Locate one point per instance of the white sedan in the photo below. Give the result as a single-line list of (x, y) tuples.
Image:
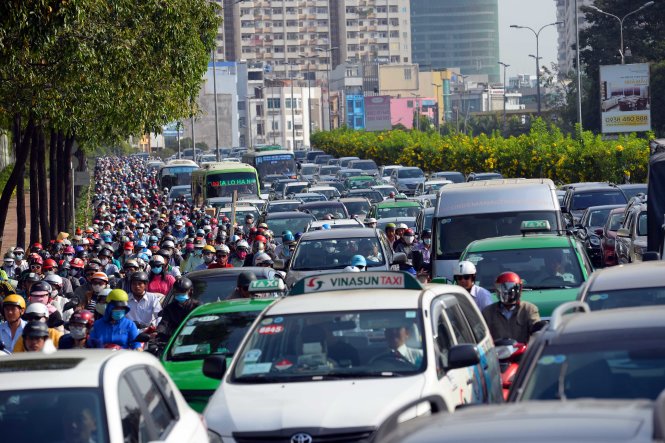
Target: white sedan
[(93, 396)]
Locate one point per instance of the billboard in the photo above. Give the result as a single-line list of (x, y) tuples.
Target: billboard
[(625, 103), (377, 113)]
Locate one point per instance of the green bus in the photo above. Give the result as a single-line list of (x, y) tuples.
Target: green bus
[(271, 160), (221, 179)]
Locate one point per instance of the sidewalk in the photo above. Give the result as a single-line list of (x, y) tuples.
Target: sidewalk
[(11, 228)]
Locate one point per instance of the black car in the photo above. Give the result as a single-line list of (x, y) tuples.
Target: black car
[(590, 231), (321, 209), (580, 196)]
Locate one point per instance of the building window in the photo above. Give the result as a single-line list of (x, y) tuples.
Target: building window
[(289, 125), (407, 73), (274, 103), (409, 103), (275, 126)]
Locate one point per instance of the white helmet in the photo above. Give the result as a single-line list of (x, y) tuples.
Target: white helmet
[(222, 248), (465, 268), (242, 244), (262, 258), (37, 308), (351, 269), (402, 226), (53, 279)]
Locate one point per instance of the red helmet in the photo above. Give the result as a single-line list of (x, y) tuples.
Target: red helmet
[(36, 258), (68, 250), (261, 238), (129, 246), (252, 231), (508, 287), (77, 263), (49, 264), (84, 317), (213, 221), (408, 232), (38, 246)]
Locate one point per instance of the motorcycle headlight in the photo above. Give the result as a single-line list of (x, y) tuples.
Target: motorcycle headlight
[(595, 241)]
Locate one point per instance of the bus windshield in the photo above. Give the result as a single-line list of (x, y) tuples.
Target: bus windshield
[(176, 175), (283, 164), (223, 184)]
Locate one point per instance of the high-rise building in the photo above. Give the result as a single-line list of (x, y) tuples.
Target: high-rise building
[(565, 12), (462, 33)]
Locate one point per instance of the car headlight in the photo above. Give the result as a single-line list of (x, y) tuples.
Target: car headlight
[(595, 241)]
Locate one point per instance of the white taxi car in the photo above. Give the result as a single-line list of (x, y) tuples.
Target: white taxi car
[(93, 396), (344, 351)]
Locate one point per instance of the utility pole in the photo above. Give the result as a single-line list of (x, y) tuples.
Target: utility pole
[(438, 108), (293, 109), (505, 87), (177, 128), (214, 87), (579, 71)]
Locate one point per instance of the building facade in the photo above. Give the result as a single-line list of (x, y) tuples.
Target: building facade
[(462, 33), (566, 13)]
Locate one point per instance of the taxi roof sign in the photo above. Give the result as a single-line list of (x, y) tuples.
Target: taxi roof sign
[(349, 281), (535, 226), (267, 285)]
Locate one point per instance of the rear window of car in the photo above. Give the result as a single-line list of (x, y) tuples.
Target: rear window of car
[(583, 200)]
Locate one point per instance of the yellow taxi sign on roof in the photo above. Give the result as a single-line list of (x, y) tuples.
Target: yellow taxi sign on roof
[(350, 281), (535, 226)]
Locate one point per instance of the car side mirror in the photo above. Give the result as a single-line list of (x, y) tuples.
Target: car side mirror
[(399, 258), (214, 366), (623, 232), (463, 356)]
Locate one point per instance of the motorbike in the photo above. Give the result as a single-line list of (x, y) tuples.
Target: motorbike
[(510, 352)]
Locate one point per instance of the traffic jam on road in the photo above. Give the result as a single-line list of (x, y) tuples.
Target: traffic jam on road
[(279, 296)]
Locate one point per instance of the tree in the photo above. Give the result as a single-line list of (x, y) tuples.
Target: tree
[(97, 72), (599, 44)]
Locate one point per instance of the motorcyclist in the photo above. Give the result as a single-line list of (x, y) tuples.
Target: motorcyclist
[(237, 259), (79, 326), (35, 334), (511, 317), (465, 276), (145, 306), (160, 280), (390, 233), (176, 311), (222, 253), (114, 327), (245, 278), (130, 267), (9, 266), (37, 312), (194, 258), (13, 308), (19, 259), (283, 250), (405, 242), (208, 256)]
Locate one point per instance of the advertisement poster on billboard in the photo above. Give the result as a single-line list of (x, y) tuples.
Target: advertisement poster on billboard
[(377, 113), (625, 101)]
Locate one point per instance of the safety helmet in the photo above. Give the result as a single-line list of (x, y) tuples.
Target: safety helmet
[(402, 226), (14, 300), (77, 263), (68, 250), (53, 279), (391, 226), (30, 276), (36, 309), (209, 248), (325, 227), (35, 329), (83, 317), (242, 244), (263, 259), (35, 259), (183, 284), (157, 260), (118, 297), (131, 263), (168, 244), (508, 287), (40, 289), (128, 246), (465, 267), (351, 269), (261, 238), (100, 276), (222, 248), (358, 260), (139, 276), (49, 264)]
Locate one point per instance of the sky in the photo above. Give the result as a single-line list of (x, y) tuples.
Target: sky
[(515, 45)]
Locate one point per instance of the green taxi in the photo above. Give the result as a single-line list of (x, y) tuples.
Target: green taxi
[(214, 328), (551, 266), (360, 182), (395, 208)]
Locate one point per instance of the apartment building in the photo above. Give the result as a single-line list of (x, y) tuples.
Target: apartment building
[(566, 13)]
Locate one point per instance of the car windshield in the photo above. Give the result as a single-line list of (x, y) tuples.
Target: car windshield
[(333, 346), (385, 191), (210, 334), (428, 220), (365, 165), (179, 192), (543, 268), (293, 224), (433, 187), (321, 211), (398, 211), (410, 173), (583, 200), (625, 298), (598, 217), (328, 170), (633, 191), (240, 214), (615, 222), (328, 193), (64, 415), (295, 188), (608, 370), (642, 224), (208, 290), (357, 207), (455, 233), (308, 170), (313, 255), (282, 207)]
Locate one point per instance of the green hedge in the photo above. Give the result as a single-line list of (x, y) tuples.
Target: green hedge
[(543, 152)]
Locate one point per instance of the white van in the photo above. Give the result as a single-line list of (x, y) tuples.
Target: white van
[(342, 352), (482, 209)]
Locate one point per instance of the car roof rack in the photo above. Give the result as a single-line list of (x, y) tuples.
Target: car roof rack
[(558, 313)]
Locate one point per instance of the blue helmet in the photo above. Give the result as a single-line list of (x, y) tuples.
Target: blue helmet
[(141, 244), (298, 235), (325, 226), (287, 236), (358, 260)]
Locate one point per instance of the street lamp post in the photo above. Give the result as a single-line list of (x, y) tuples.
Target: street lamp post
[(214, 90), (622, 50), (417, 110), (329, 50), (293, 109), (438, 108), (309, 95), (505, 86), (537, 57)]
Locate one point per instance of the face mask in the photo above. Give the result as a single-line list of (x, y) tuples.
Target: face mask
[(242, 254), (77, 332), (181, 298), (97, 288), (105, 261), (408, 239), (157, 270), (118, 315), (41, 299), (67, 258), (19, 256), (207, 258), (100, 308), (74, 272), (427, 241)]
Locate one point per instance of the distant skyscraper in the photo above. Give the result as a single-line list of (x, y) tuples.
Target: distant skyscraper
[(565, 12), (456, 33)]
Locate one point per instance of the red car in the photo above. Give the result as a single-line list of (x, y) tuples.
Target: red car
[(614, 221)]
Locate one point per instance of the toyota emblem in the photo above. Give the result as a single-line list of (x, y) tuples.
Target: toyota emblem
[(301, 437)]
